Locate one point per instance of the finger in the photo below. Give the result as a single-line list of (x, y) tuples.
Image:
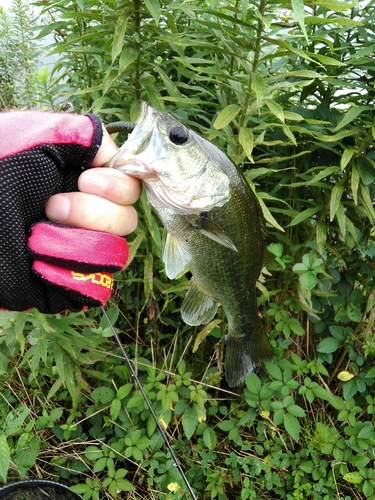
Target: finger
[(111, 184), (91, 212), (106, 151)]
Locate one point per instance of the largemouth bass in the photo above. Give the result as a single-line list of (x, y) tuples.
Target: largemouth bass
[(215, 228)]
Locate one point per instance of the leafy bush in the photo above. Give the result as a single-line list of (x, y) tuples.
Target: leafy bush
[(18, 56), (286, 90)]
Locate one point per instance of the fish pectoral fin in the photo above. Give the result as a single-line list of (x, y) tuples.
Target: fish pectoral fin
[(175, 256), (197, 307), (214, 232)]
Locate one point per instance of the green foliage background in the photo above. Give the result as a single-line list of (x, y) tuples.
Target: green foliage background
[(287, 90)]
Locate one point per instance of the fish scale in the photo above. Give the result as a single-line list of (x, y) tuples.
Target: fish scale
[(215, 228)]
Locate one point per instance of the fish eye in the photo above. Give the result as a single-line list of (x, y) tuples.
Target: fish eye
[(178, 135)]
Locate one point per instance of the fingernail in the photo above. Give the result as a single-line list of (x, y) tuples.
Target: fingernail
[(91, 182), (57, 208)]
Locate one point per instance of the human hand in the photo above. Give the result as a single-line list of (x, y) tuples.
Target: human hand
[(50, 266), (105, 200)]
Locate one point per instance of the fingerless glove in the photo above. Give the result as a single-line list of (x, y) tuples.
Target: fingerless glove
[(44, 265)]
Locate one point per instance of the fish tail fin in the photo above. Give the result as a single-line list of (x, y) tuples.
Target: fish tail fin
[(243, 354)]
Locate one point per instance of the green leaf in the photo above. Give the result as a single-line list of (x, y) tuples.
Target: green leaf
[(308, 280), (153, 6), (341, 21), (119, 33), (134, 246), (296, 410), (246, 139), (350, 389), (289, 134), (337, 5), (366, 171), (226, 425), (124, 485), (367, 432), (103, 395), (300, 267), (259, 87), (353, 478), (322, 393), (136, 400), (305, 214), (209, 438), (368, 489), (115, 408), (124, 390), (268, 216), (327, 61), (322, 174), (205, 332), (128, 56), (93, 453), (152, 224), (226, 115), (15, 419), (341, 219), (275, 109), (253, 383), (273, 370), (328, 345), (276, 249), (299, 15), (278, 416), (335, 200), (81, 488), (100, 464), (4, 458), (27, 451), (352, 113), (321, 235), (368, 202), (143, 442), (346, 157), (295, 325), (359, 461), (354, 312), (355, 183), (189, 421), (292, 426)]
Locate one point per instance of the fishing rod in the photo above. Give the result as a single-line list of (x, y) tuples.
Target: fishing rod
[(176, 462), (128, 127)]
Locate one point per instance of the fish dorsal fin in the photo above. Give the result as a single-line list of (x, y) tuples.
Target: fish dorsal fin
[(214, 232), (197, 307), (175, 256)]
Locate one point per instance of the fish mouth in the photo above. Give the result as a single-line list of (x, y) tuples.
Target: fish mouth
[(137, 142)]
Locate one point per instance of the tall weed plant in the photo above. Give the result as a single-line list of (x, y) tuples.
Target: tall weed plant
[(287, 90), (18, 56)]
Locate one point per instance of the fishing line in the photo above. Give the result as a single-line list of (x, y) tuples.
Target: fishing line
[(176, 463)]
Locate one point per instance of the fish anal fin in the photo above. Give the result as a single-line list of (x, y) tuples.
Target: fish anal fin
[(175, 256), (197, 307)]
